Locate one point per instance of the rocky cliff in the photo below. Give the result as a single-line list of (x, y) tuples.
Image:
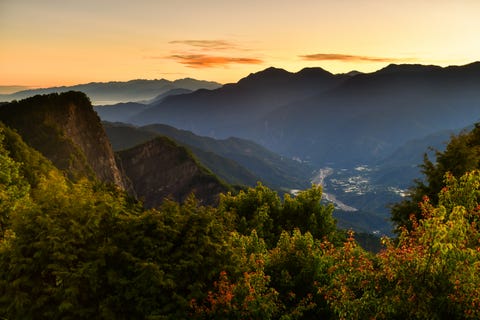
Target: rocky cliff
[(160, 168), (65, 128)]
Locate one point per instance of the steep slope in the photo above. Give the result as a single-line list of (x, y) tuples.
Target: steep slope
[(123, 136), (232, 108), (275, 170), (102, 93), (34, 164), (324, 118), (237, 161), (370, 115), (66, 130), (225, 168), (160, 168)]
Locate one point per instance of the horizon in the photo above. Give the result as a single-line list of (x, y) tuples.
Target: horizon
[(47, 43), (12, 89)]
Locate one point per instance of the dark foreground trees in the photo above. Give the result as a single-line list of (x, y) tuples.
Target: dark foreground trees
[(83, 250)]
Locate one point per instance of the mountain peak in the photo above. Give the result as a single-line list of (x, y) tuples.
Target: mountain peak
[(404, 68), (268, 74), (312, 72), (353, 73)]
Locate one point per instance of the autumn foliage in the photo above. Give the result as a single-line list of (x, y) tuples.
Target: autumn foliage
[(85, 250)]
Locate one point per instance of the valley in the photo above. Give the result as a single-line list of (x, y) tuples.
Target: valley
[(273, 160), (349, 189), (361, 136), (319, 179)]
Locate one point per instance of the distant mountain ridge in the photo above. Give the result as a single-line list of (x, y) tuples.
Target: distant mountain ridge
[(226, 111), (329, 119), (120, 112), (64, 128), (102, 93), (236, 161), (373, 114)]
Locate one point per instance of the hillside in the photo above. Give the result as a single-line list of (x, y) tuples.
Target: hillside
[(237, 161), (69, 133), (122, 112), (160, 168), (254, 256), (232, 107), (66, 130), (329, 119), (370, 115)]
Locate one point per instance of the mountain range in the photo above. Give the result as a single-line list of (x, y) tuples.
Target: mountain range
[(237, 161), (385, 120), (102, 93), (65, 129), (324, 118), (362, 135)]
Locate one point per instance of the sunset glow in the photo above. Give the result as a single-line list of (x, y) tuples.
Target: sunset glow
[(50, 42)]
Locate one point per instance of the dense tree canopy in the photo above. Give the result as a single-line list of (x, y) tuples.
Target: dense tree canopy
[(462, 154), (84, 250)]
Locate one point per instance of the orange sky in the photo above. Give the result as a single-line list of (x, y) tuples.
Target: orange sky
[(64, 42)]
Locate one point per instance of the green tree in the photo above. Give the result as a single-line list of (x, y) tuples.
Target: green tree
[(305, 212), (297, 266), (14, 189), (431, 272), (461, 155), (256, 209), (84, 250), (262, 210)]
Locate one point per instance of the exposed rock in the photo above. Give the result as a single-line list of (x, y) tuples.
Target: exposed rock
[(160, 168), (66, 130)]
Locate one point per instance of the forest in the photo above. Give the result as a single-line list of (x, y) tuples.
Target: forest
[(79, 248)]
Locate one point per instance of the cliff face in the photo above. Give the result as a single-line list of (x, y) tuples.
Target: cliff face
[(83, 126), (66, 130), (160, 168)]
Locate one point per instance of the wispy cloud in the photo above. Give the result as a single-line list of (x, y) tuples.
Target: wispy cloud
[(201, 53), (207, 44), (208, 61), (349, 58)]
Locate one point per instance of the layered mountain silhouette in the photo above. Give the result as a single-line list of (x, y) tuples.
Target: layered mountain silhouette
[(123, 111), (102, 93), (325, 118), (236, 161), (227, 111), (373, 114), (385, 119), (65, 129)]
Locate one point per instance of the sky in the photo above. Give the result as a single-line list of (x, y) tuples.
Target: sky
[(48, 43)]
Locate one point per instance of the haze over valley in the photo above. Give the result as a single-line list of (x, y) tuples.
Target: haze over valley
[(361, 136), (370, 130), (255, 159)]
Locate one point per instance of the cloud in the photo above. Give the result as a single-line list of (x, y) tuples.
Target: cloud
[(207, 61), (348, 58), (207, 44), (206, 53)]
